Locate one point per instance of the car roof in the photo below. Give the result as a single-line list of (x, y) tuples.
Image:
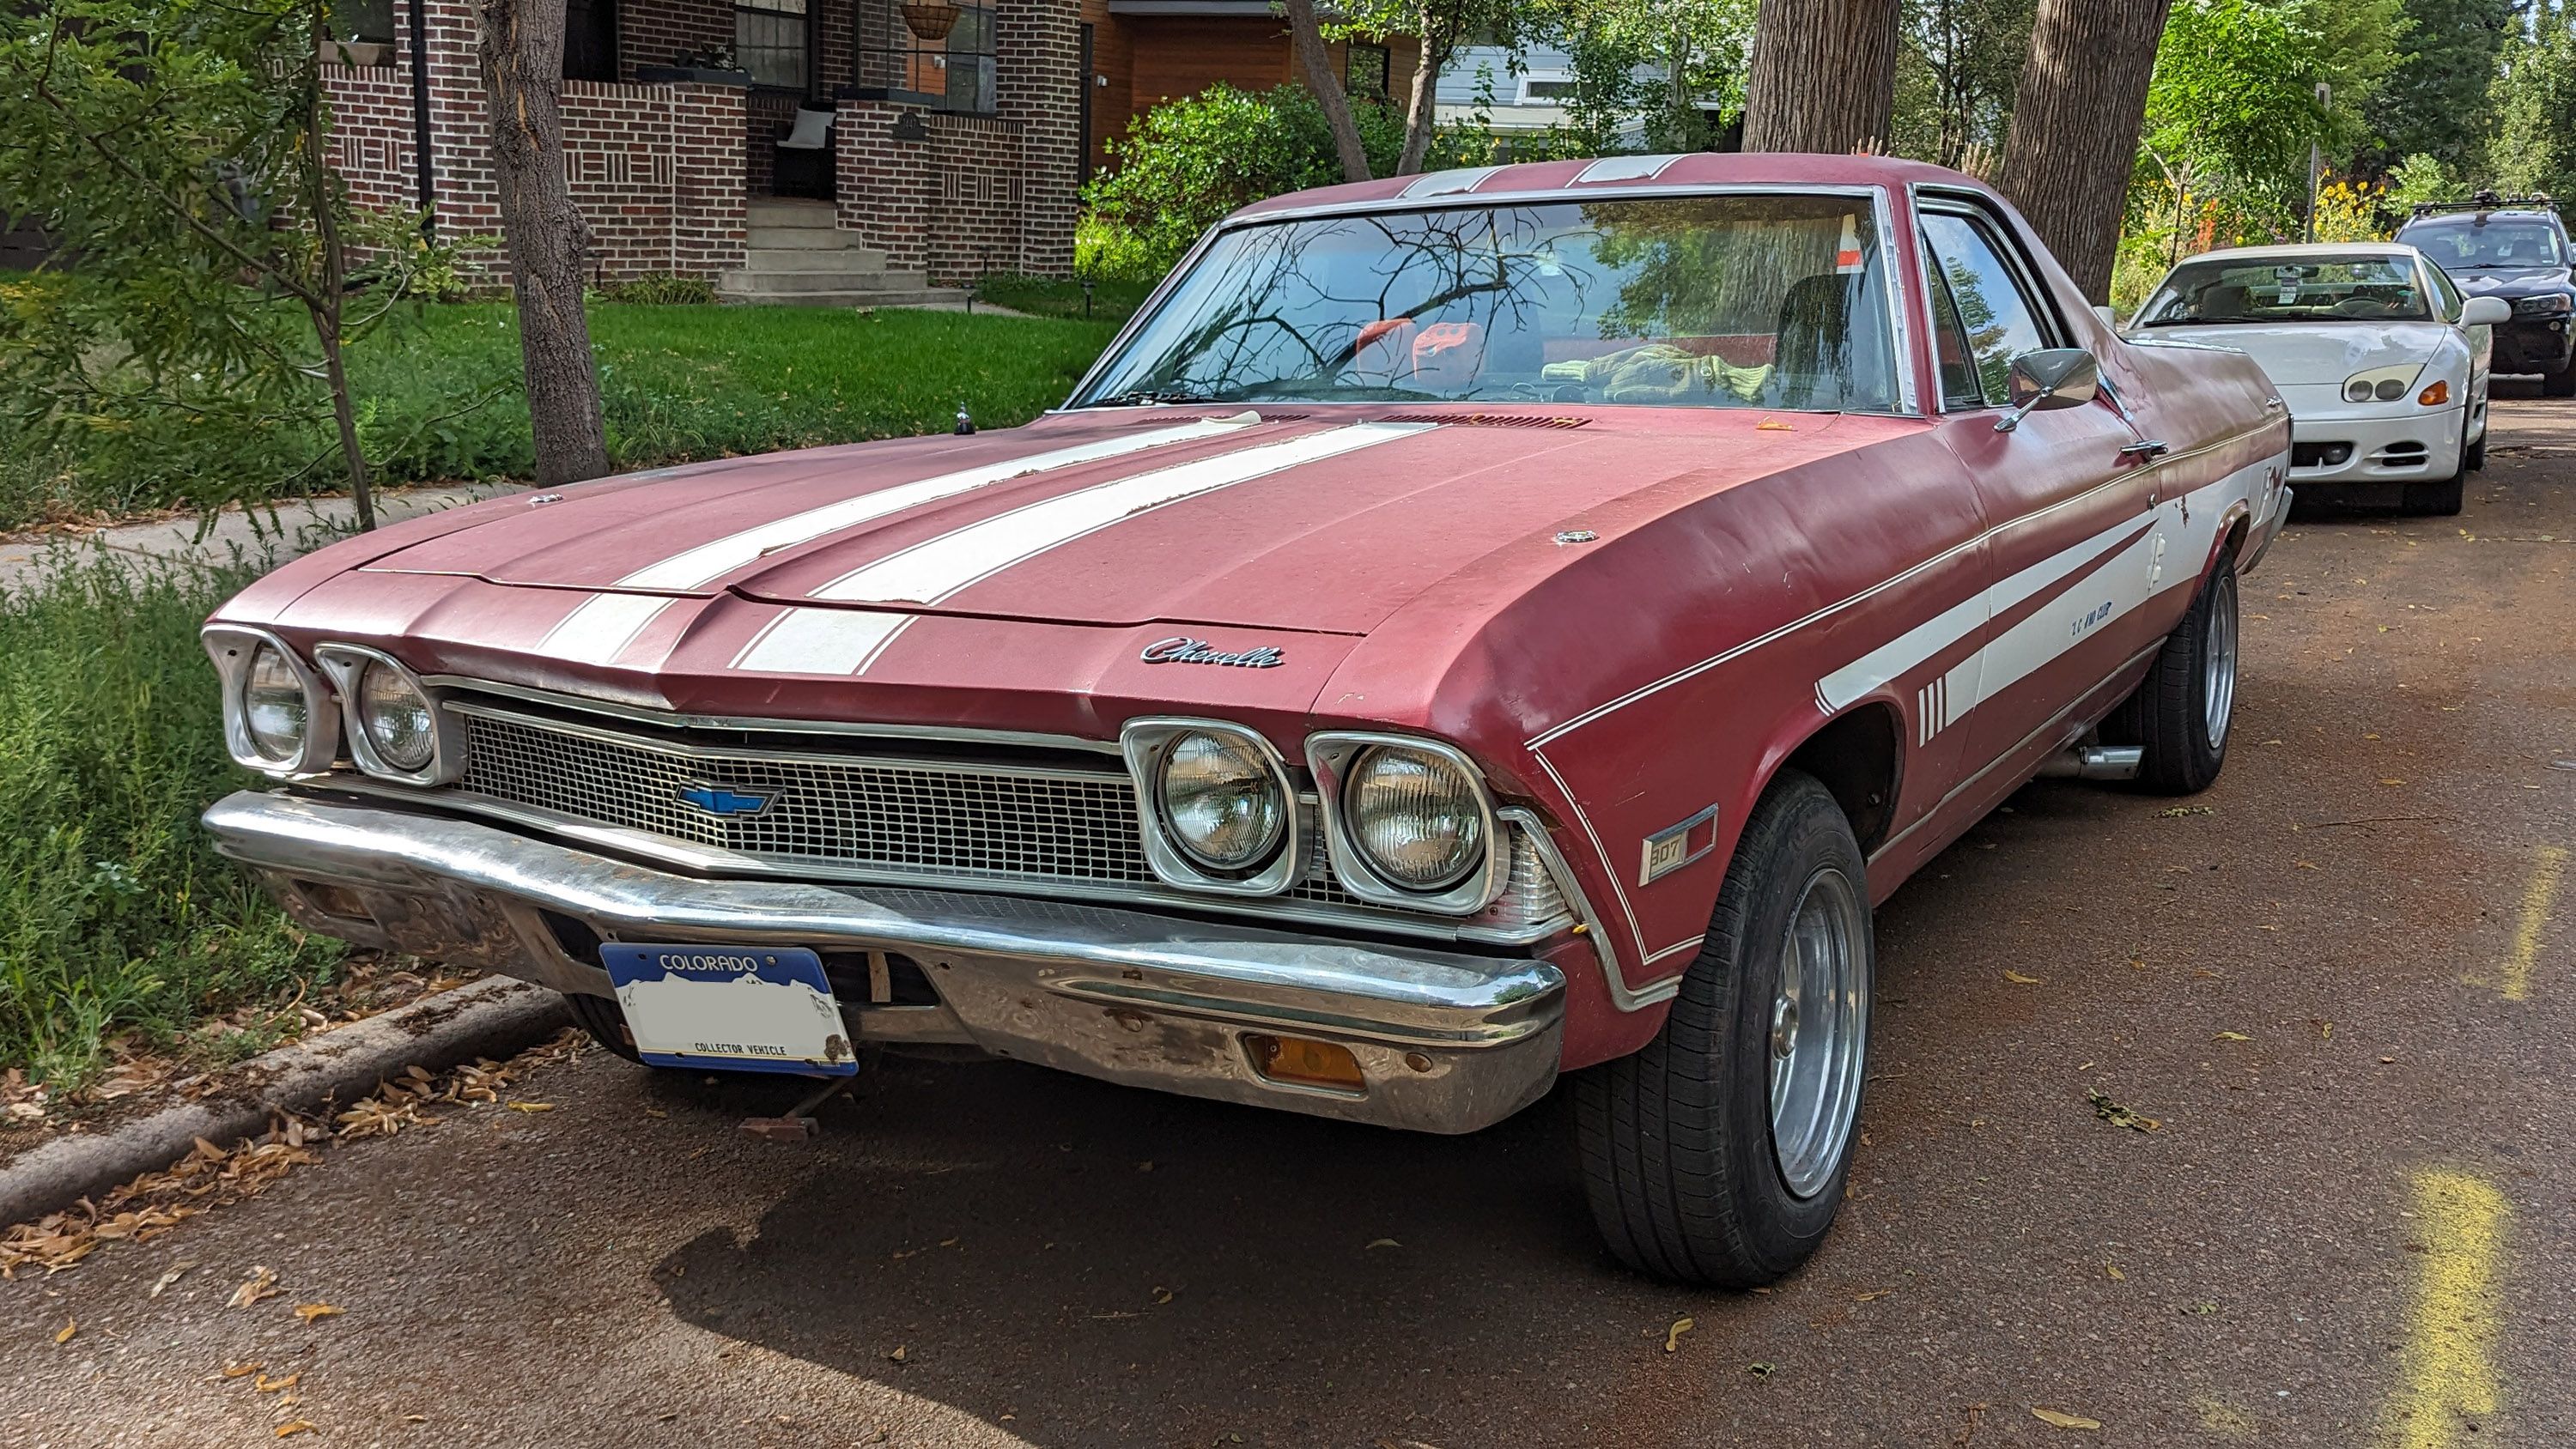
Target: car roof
[(1609, 175), (2392, 250), (2547, 215)]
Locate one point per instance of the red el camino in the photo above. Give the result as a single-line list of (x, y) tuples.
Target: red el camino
[(1468, 629)]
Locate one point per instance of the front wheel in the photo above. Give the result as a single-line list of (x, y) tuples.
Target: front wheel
[(2561, 383), (2181, 711), (1717, 1155)]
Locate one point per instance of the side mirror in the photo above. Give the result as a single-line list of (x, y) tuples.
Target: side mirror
[(2109, 318), (2485, 312), (2052, 378)]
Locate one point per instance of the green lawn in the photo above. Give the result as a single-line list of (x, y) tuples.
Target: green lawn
[(439, 398), (1109, 302), (115, 913)]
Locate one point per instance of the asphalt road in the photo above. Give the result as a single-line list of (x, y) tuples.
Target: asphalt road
[(2330, 980)]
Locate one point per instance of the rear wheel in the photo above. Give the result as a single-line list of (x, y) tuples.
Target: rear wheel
[(1717, 1154), (2181, 711), (2561, 383)]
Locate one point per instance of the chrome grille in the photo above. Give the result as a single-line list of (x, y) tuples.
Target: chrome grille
[(911, 819)]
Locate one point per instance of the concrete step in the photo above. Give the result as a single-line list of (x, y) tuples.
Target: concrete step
[(800, 238), (941, 299), (853, 258), (790, 212), (854, 280)]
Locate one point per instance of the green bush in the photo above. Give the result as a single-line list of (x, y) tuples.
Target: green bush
[(658, 289), (1188, 162), (115, 912)]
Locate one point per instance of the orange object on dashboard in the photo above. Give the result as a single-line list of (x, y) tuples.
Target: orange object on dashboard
[(1446, 354)]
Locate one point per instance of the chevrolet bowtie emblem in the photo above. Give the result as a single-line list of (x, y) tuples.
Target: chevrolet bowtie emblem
[(717, 800)]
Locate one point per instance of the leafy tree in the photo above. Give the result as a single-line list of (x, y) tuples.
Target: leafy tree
[(2535, 110), (2075, 125), (1961, 62), (215, 272), (1669, 61), (1822, 76), (2434, 103), (2232, 109)]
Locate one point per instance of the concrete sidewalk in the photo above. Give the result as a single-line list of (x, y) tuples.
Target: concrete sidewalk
[(278, 532)]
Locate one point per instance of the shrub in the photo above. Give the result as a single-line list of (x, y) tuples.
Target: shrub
[(659, 289), (1188, 162)]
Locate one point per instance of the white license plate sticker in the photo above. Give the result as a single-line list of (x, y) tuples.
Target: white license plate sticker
[(730, 1008)]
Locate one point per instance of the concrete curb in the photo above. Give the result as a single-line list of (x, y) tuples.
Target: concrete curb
[(494, 1017)]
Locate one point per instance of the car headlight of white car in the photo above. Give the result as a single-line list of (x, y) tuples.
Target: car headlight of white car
[(2381, 384)]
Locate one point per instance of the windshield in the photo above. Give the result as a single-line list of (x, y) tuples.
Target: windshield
[(2304, 289), (1729, 300), (2458, 244)]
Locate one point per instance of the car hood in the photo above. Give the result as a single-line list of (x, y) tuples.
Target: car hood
[(1326, 522), (2309, 354), (2510, 281)]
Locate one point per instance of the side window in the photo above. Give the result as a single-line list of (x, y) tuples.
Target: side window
[(2450, 295), (1999, 318), (1949, 339)]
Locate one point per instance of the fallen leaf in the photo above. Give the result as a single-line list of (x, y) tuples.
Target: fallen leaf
[(2114, 1270), (655, 1112), (897, 1356), (70, 1327), (532, 1106), (2117, 1115), (1673, 1335), (267, 1385), (1761, 1370), (261, 1283), (1873, 1295), (238, 1370), (293, 1427), (2231, 1036), (2017, 979), (1384, 1243), (2066, 1421), (177, 1270), (1162, 1295), (310, 1311), (2392, 782)]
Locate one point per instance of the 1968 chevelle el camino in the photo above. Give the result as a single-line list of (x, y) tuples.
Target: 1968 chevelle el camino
[(1468, 629)]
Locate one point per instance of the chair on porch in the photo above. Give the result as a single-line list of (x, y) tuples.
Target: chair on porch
[(804, 161)]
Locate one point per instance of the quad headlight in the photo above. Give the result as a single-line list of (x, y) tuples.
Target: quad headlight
[(1411, 823), (2381, 384), (2544, 304), (1220, 800), (396, 730), (1215, 806), (277, 712)]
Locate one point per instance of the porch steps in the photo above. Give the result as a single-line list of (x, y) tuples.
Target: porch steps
[(799, 256)]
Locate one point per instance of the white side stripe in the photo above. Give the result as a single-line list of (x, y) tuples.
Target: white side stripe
[(935, 570), (599, 629)]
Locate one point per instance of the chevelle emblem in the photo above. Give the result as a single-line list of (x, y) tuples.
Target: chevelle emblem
[(1181, 650), (717, 800)]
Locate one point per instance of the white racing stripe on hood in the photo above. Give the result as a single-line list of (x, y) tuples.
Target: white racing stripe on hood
[(846, 641), (598, 630)]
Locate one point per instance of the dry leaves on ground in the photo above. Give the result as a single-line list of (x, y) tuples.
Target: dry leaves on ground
[(212, 1176), (1673, 1335), (2066, 1421), (260, 1283), (2117, 1115), (310, 1311)]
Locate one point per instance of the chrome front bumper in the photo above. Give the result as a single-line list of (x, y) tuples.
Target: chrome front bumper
[(1448, 1042)]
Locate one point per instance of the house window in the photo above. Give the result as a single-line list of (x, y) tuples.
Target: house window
[(769, 41), (363, 20), (949, 73), (1366, 72), (970, 62), (1548, 90)]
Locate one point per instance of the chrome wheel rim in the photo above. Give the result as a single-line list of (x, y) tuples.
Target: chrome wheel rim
[(1819, 1031), (2218, 666)]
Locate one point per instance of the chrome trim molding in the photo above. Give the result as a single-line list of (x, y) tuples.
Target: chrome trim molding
[(230, 647), (1330, 752), (1622, 995), (1144, 740), (345, 662), (1446, 1042), (1649, 869), (667, 718)]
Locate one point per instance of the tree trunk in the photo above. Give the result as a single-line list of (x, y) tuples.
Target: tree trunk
[(1418, 107), (1823, 76), (1307, 37), (324, 305), (522, 53), (2075, 125)]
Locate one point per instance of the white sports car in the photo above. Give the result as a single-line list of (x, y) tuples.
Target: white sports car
[(2382, 362)]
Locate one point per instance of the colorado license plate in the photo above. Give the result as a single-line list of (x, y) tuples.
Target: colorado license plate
[(730, 1008)]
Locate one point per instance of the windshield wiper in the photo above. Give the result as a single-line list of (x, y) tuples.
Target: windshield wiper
[(1143, 396)]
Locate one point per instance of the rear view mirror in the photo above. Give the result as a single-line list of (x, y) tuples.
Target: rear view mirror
[(2485, 312), (2051, 378)]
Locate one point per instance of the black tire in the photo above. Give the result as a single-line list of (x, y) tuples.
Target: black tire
[(2475, 459), (2561, 383), (2168, 715), (605, 1022), (2439, 499), (1676, 1140)]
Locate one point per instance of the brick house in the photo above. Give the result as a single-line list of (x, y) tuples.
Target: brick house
[(1139, 53), (946, 157)]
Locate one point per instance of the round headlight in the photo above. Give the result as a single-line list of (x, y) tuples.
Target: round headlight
[(2390, 389), (1221, 801), (1415, 816), (397, 718), (2357, 390), (274, 710)]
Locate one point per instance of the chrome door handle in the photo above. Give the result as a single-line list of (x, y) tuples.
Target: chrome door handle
[(2144, 449)]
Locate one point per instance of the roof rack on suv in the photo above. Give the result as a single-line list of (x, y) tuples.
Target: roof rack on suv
[(2489, 201)]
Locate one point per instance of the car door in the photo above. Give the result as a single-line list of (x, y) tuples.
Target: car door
[(2448, 304), (2068, 495)]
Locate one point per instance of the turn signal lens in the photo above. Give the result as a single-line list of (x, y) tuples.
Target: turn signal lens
[(2434, 396), (1303, 1063)]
